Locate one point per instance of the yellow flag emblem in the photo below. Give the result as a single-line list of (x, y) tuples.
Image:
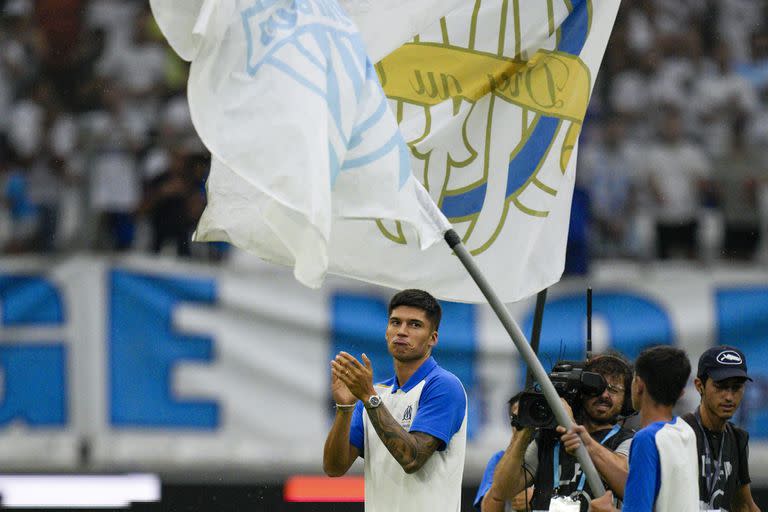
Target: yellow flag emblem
[(492, 109)]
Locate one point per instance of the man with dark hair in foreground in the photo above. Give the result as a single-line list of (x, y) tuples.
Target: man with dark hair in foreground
[(412, 428)]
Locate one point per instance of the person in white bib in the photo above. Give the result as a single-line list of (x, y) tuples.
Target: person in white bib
[(411, 429), (662, 457)]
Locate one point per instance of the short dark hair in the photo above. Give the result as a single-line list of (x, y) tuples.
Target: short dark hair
[(665, 371), (515, 398), (418, 299)]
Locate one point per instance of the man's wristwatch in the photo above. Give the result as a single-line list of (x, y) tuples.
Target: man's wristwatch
[(373, 402)]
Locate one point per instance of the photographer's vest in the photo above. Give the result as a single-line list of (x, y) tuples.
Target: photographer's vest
[(723, 466), (555, 462)]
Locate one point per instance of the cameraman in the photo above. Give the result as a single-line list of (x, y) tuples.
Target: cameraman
[(550, 458), (491, 489)]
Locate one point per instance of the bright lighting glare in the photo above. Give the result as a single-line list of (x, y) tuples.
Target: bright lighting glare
[(86, 491)]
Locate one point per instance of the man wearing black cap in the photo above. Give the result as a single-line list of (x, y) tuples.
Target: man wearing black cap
[(723, 453)]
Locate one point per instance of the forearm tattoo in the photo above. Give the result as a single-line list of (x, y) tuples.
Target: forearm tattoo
[(411, 451)]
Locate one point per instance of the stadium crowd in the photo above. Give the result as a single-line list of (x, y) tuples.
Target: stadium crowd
[(98, 149), (674, 161), (98, 152)]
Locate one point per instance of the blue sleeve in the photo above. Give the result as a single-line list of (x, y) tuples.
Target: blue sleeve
[(644, 480), (485, 484), (356, 430), (442, 407)]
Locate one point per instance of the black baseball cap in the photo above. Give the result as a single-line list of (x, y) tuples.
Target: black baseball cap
[(722, 362)]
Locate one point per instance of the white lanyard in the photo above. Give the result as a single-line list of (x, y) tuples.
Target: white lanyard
[(711, 477)]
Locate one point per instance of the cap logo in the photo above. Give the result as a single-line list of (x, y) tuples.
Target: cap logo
[(729, 357)]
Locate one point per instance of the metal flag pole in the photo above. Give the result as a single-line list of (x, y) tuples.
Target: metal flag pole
[(538, 318), (534, 366)]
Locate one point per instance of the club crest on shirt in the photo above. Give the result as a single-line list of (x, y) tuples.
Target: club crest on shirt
[(407, 416)]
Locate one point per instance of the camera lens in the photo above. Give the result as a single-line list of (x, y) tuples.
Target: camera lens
[(540, 412), (534, 411)]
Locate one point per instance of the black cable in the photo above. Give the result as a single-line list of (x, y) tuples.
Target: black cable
[(527, 472)]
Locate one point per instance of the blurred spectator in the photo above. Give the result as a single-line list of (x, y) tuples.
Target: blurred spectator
[(15, 200), (608, 170), (21, 49), (94, 109), (138, 69), (60, 23), (167, 202), (114, 198), (736, 21), (115, 189), (44, 190), (755, 70), (116, 20), (86, 56), (630, 95), (641, 16), (674, 14), (757, 130), (27, 121), (680, 60), (736, 174), (719, 99), (678, 177)]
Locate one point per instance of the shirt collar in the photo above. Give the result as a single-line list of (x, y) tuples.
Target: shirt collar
[(424, 370)]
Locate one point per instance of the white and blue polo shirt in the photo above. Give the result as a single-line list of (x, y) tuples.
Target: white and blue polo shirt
[(663, 469), (433, 401)]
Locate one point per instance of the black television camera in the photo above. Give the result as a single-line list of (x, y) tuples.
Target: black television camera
[(571, 382)]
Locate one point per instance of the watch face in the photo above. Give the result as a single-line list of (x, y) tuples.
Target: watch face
[(374, 401)]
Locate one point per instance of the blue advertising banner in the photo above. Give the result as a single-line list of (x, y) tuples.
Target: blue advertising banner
[(178, 368)]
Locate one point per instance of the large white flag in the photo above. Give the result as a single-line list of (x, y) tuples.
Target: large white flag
[(489, 97), (302, 139)]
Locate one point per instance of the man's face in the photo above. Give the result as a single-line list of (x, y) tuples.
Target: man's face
[(603, 408), (721, 398), (410, 335)]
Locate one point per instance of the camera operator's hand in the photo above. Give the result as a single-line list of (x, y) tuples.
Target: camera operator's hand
[(574, 437), (602, 504)]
